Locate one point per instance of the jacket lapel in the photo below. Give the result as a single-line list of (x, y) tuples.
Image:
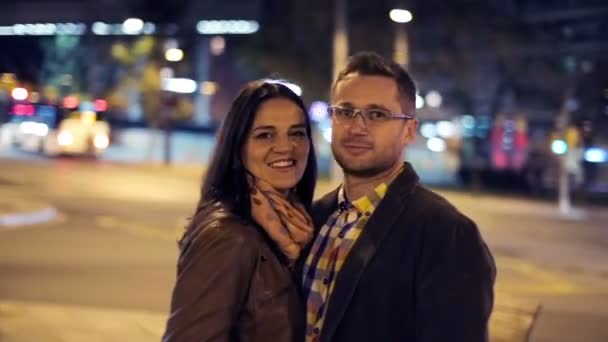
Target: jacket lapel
[(374, 232)]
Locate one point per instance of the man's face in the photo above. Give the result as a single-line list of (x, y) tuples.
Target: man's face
[(363, 148)]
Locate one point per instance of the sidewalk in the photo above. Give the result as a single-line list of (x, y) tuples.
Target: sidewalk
[(25, 322), (29, 321)]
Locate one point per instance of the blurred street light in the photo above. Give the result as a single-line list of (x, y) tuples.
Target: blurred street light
[(436, 144), (101, 28), (401, 16), (132, 26), (217, 45), (6, 31), (174, 55), (428, 130), (596, 155), (434, 99), (65, 138), (318, 111), (559, 147), (20, 94), (227, 26), (401, 44), (35, 128), (419, 101), (166, 72), (446, 129), (101, 141), (40, 29), (179, 85), (209, 88)]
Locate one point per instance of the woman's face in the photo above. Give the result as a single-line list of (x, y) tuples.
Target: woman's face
[(277, 146)]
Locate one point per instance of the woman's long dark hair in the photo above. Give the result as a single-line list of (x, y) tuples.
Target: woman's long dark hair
[(225, 181)]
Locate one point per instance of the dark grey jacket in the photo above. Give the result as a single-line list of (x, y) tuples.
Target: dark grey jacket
[(419, 272)]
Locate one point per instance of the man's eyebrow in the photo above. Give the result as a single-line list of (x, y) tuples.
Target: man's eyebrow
[(376, 106), (369, 106)]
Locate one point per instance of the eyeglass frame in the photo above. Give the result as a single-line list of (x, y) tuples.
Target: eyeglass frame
[(361, 111)]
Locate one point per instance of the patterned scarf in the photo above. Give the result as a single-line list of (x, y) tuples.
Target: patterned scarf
[(284, 218)]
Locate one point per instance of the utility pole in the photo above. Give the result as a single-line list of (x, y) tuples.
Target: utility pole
[(563, 123), (340, 52), (340, 48)]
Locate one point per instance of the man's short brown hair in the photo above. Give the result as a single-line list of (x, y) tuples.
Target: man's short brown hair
[(372, 64)]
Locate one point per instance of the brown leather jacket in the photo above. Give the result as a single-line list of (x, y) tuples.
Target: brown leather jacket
[(232, 286)]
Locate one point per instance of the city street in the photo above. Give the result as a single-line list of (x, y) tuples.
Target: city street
[(103, 266)]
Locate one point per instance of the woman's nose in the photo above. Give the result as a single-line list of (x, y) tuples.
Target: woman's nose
[(283, 145)]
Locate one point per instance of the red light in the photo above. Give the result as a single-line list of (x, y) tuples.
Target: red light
[(100, 105), (23, 109), (70, 102)]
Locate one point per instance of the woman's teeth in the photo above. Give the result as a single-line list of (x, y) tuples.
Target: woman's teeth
[(282, 164)]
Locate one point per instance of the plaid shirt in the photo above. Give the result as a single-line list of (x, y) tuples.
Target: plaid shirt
[(329, 251)]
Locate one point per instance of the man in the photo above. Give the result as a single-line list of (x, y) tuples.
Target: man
[(392, 261)]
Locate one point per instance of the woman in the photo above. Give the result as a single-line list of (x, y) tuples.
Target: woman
[(234, 281)]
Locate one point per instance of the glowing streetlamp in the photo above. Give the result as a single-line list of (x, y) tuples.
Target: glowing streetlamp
[(174, 55), (133, 26), (401, 16), (401, 43)]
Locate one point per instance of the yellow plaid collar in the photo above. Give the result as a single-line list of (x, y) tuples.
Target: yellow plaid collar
[(367, 202)]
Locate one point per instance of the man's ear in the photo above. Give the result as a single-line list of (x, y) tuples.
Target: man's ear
[(409, 132)]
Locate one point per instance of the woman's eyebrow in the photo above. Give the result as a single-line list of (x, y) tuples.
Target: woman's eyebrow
[(264, 127)]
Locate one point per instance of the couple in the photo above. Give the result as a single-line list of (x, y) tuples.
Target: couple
[(381, 258)]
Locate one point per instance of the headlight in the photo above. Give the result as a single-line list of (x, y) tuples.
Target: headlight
[(65, 138), (101, 141), (35, 128)]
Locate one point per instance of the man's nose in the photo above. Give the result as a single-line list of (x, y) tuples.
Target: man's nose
[(358, 125)]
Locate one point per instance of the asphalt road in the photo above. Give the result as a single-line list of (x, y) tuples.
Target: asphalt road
[(113, 247)]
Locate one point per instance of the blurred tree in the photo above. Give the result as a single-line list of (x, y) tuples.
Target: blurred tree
[(149, 86), (142, 83)]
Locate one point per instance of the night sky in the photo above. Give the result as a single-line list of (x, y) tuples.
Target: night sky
[(451, 41)]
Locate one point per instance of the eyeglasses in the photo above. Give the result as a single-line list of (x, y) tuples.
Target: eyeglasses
[(371, 115)]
